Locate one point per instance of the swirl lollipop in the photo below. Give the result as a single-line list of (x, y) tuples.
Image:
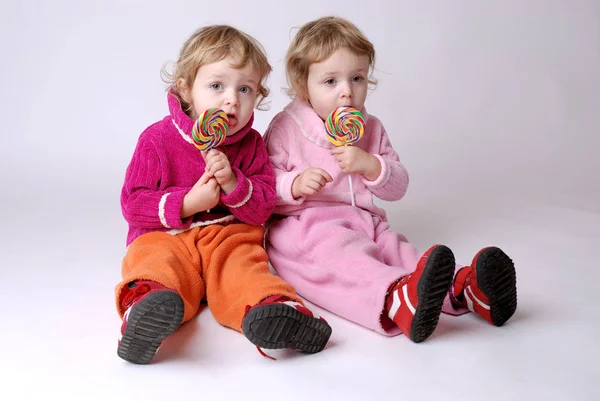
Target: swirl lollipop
[(345, 126), (210, 129)]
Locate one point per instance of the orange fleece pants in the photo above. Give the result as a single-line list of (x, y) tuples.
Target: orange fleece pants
[(224, 264)]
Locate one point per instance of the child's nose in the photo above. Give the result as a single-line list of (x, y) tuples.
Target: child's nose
[(231, 98), (346, 90)]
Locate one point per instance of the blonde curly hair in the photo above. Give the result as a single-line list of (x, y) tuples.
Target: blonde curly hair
[(315, 42), (212, 44)]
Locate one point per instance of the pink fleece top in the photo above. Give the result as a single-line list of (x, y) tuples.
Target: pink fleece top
[(165, 165), (296, 140)]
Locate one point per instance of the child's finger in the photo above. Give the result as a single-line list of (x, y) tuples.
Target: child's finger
[(204, 178), (313, 185), (217, 166), (209, 158), (321, 180), (215, 153), (212, 183), (309, 191), (326, 175)]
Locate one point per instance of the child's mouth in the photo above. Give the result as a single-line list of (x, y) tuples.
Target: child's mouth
[(232, 120)]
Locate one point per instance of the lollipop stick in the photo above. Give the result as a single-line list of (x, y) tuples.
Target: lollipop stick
[(210, 130), (351, 189), (345, 126), (351, 186)]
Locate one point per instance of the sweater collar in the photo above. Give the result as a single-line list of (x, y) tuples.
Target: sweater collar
[(310, 123), (184, 123)]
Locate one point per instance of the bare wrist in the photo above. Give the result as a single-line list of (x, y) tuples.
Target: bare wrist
[(295, 193), (185, 207), (230, 186), (374, 170)]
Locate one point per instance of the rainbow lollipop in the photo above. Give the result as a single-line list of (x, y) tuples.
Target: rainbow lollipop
[(210, 129), (345, 126)]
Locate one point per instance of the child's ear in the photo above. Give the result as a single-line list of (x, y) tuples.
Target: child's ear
[(184, 90)]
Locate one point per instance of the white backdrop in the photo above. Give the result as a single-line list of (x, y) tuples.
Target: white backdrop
[(493, 107), (485, 99)]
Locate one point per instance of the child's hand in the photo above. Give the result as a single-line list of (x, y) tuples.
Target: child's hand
[(310, 182), (352, 159), (218, 166), (204, 195)]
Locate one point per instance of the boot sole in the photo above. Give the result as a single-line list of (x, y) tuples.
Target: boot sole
[(496, 278), (280, 326), (151, 321), (433, 287)]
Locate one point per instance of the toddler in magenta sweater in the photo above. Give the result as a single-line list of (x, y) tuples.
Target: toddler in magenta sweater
[(195, 218)]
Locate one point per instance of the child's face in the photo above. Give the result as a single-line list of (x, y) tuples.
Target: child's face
[(220, 85), (340, 80)]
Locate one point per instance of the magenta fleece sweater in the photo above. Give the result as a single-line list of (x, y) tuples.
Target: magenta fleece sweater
[(165, 165)]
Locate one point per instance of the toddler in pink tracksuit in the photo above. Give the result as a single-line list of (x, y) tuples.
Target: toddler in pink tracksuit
[(346, 258)]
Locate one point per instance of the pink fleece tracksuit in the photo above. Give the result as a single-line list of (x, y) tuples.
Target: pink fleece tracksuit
[(340, 257)]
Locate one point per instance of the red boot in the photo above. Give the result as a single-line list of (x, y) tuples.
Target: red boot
[(153, 313), (415, 301), (278, 322), (487, 287)]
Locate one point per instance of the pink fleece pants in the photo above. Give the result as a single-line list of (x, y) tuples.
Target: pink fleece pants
[(344, 259)]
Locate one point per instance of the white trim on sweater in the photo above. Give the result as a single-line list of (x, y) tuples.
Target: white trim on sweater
[(246, 199), (186, 137), (161, 210), (201, 224)]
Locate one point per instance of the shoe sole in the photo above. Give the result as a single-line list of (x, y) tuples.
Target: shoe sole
[(433, 287), (151, 321), (496, 278), (280, 326)]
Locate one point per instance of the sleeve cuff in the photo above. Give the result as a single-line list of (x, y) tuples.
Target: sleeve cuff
[(384, 176), (169, 210), (242, 192), (284, 189)]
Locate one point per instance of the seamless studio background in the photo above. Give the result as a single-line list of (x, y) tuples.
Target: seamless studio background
[(492, 106)]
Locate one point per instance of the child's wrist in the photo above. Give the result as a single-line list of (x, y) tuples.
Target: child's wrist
[(186, 207), (294, 189), (374, 168), (229, 186)]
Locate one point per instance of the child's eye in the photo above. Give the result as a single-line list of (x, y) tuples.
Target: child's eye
[(245, 89), (217, 86), (357, 79), (330, 81)]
